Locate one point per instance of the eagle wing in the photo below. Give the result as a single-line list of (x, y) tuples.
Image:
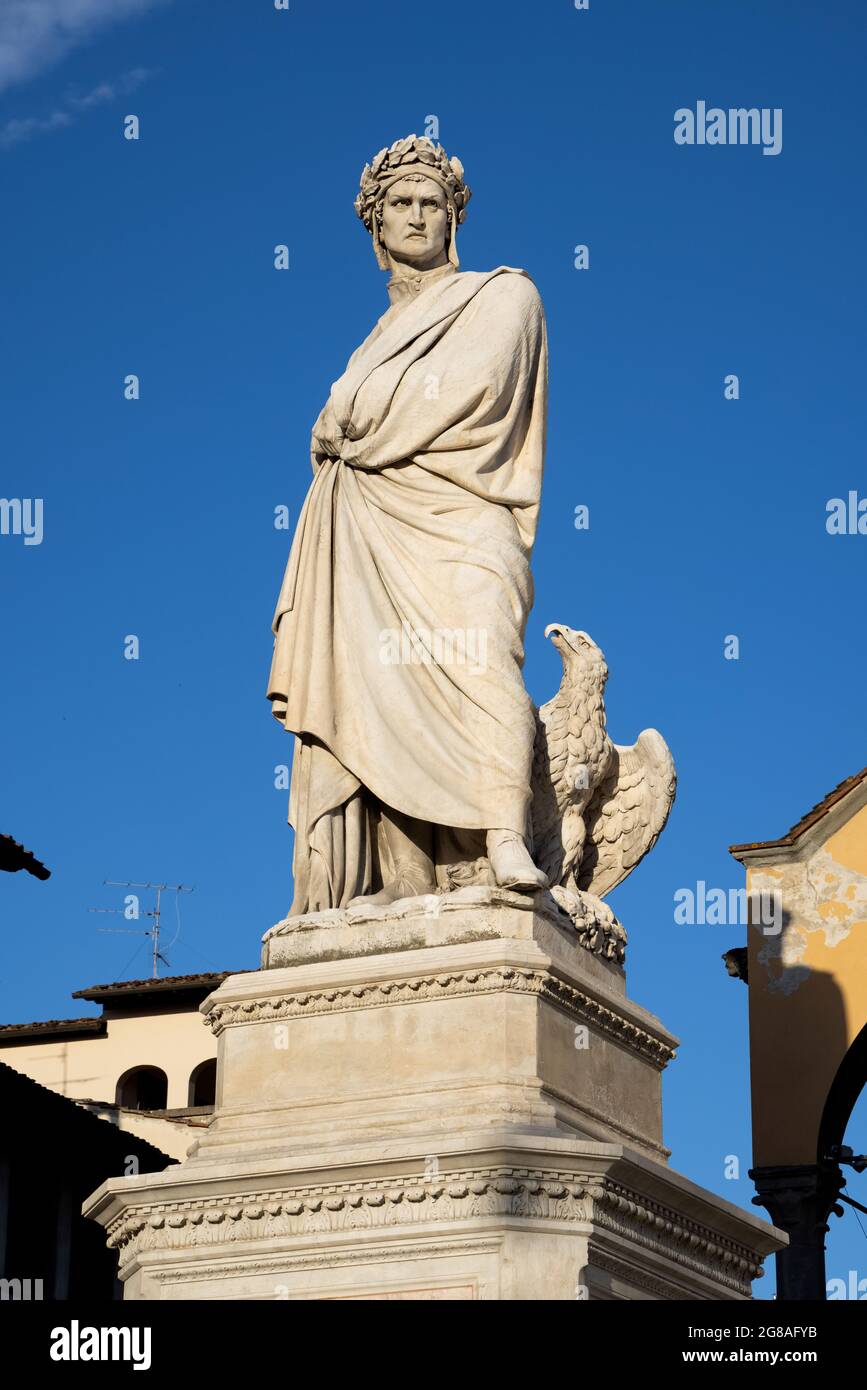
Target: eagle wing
[(627, 812)]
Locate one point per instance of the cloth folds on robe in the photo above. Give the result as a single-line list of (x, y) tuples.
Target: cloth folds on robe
[(400, 624)]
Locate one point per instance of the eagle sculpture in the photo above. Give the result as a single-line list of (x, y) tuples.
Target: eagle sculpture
[(597, 807)]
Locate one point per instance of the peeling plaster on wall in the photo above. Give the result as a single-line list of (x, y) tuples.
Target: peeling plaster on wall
[(840, 896), (819, 895)]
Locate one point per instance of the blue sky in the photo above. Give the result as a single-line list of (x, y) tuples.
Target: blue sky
[(155, 257)]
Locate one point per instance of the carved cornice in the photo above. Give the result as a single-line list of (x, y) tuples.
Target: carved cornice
[(638, 1219), (406, 1201), (423, 988), (591, 1010)]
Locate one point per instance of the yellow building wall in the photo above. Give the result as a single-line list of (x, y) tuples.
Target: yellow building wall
[(88, 1068), (808, 990)]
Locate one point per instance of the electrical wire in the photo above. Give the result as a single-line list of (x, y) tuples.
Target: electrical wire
[(117, 979), (178, 916), (846, 1193)]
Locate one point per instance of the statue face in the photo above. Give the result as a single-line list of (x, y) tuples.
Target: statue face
[(415, 223)]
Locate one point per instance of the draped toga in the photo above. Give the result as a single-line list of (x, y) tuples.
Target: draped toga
[(400, 623)]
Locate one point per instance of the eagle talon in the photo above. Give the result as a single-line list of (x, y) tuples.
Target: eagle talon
[(597, 928)]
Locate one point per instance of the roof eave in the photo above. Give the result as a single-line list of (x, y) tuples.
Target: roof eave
[(812, 830)]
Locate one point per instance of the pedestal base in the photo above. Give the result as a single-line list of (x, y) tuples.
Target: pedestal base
[(459, 1103)]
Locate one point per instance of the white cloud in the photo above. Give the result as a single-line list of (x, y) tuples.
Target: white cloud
[(36, 34), (24, 128), (110, 91), (16, 131)]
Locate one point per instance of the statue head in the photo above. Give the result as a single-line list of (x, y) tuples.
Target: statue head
[(411, 200)]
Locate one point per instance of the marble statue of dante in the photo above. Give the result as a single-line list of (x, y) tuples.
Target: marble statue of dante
[(400, 623)]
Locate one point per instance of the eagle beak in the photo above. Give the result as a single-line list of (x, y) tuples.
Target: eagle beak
[(568, 635), (558, 637), (573, 640)]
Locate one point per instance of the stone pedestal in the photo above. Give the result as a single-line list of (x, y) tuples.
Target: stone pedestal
[(450, 1098)]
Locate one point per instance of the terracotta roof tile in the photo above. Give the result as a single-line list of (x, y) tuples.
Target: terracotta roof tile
[(11, 1032), (819, 810), (161, 984)]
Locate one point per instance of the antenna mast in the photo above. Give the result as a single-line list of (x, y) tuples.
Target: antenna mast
[(154, 932)]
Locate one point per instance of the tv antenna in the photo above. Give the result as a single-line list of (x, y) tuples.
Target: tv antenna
[(154, 931)]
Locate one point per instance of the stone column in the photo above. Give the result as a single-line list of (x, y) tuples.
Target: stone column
[(799, 1198)]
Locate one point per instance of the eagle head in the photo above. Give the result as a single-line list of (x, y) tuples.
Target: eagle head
[(583, 661)]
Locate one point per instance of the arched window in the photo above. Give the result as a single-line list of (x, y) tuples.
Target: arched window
[(203, 1083), (143, 1088)]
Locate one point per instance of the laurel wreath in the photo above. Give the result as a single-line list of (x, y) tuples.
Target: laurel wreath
[(415, 153)]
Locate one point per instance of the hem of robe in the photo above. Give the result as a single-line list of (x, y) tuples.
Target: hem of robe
[(336, 856), (340, 852)]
